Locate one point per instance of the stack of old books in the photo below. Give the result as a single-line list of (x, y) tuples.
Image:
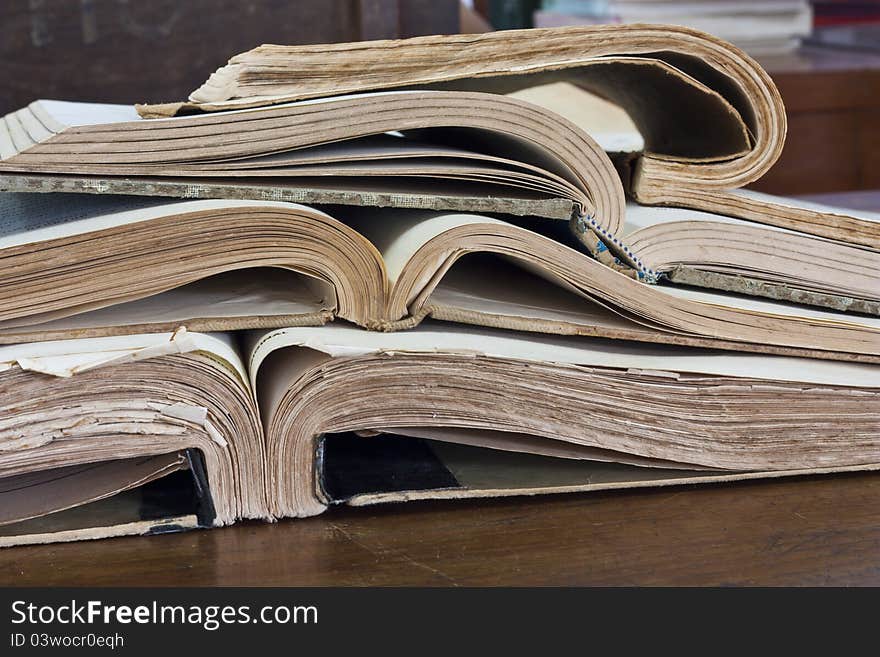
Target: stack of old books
[(373, 272)]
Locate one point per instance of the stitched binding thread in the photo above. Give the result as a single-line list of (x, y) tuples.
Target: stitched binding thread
[(644, 272)]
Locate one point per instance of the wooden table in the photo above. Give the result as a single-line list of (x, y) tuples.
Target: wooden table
[(809, 530)]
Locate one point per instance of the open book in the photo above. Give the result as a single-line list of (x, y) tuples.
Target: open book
[(709, 117), (155, 433), (106, 265)]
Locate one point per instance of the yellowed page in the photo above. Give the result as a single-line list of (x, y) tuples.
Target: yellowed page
[(339, 340), (400, 234), (31, 218), (607, 123), (66, 357)]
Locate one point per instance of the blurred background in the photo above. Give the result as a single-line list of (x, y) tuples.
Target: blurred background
[(823, 55)]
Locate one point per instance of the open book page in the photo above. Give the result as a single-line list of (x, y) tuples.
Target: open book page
[(806, 205), (31, 218), (511, 145), (276, 371), (504, 62), (607, 123), (644, 216), (27, 218), (122, 514), (392, 153), (60, 114), (169, 246), (473, 472), (70, 114), (43, 119), (858, 228), (39, 493), (401, 238), (528, 293), (641, 216), (66, 357), (400, 234), (752, 258), (687, 399), (337, 340), (768, 307), (510, 441), (246, 297), (91, 400), (470, 293)]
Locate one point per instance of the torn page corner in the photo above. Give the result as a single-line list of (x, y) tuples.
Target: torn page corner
[(45, 366)]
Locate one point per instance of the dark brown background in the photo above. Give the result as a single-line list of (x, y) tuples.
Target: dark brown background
[(832, 98), (129, 51)]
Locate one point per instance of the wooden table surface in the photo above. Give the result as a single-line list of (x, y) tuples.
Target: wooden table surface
[(810, 531), (821, 530)]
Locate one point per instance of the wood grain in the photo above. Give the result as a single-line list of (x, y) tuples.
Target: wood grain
[(810, 531)]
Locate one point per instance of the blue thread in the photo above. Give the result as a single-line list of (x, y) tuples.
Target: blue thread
[(644, 272)]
